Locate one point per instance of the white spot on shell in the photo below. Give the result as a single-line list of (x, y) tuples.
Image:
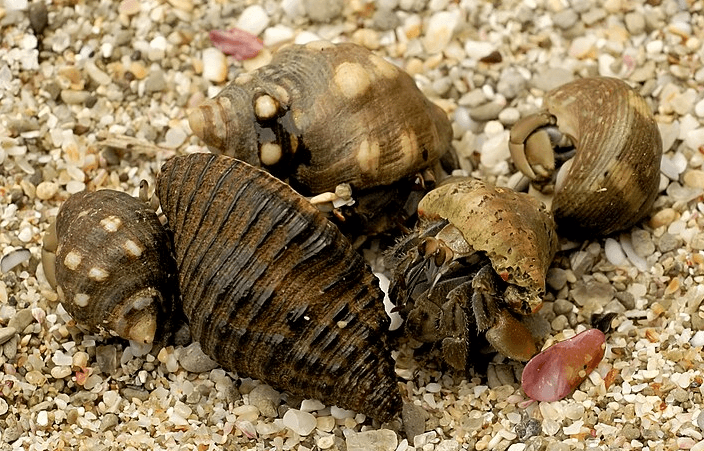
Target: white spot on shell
[(352, 79), (368, 157), (269, 153), (111, 223), (409, 147), (72, 260), (383, 67), (265, 107), (81, 299), (98, 274), (132, 249)]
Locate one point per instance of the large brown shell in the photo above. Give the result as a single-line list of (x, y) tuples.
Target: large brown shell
[(324, 114), (614, 177), (272, 290), (114, 268), (514, 230)]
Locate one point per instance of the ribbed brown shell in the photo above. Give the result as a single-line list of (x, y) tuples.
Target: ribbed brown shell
[(272, 290), (343, 115), (114, 267), (614, 178)]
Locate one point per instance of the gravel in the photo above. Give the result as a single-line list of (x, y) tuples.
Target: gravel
[(94, 95)]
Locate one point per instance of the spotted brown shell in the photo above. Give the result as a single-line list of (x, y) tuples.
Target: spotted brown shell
[(514, 230), (113, 267), (272, 290), (323, 114)]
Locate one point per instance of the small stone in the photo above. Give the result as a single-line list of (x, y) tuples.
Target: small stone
[(566, 18), (635, 23), (323, 10), (266, 399), (326, 424), (379, 440), (325, 442), (155, 81), (38, 16), (549, 79), (478, 49), (694, 178), (214, 65), (311, 405), (302, 423), (414, 418), (556, 278), (106, 357), (448, 445), (509, 116), (175, 136), (128, 393), (43, 418), (194, 360), (486, 112), (614, 252), (4, 407), (73, 97), (21, 320), (108, 421), (642, 243), (254, 19), (129, 7), (562, 307), (6, 333), (47, 190), (700, 420), (663, 217), (439, 31)]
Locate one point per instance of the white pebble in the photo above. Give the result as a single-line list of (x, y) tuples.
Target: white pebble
[(43, 418), (311, 405), (614, 252), (340, 414), (277, 34), (637, 261), (441, 27), (694, 138), (16, 5), (302, 423), (654, 47), (478, 49), (214, 65), (3, 406), (253, 19), (25, 234), (325, 442), (698, 339), (74, 186), (699, 109), (175, 136), (59, 358), (14, 258)]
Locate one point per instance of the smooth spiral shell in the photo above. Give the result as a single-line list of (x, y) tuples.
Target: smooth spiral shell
[(272, 290), (324, 114), (114, 268), (612, 181)]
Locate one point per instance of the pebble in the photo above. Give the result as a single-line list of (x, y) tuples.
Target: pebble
[(6, 333), (155, 81), (254, 19), (565, 19), (448, 445), (21, 320), (214, 65), (478, 49), (47, 190), (379, 440), (549, 79), (302, 423), (556, 278), (642, 243), (440, 29), (323, 10), (266, 399), (311, 405), (194, 360), (414, 417), (614, 252)]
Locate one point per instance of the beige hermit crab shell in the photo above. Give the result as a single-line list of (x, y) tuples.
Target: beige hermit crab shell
[(514, 230), (323, 114), (114, 268), (272, 289)]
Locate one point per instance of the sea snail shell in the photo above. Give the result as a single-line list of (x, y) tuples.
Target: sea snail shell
[(272, 290), (612, 181), (323, 114), (110, 261)]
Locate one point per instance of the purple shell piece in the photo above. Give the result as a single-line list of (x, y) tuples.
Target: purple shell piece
[(560, 369)]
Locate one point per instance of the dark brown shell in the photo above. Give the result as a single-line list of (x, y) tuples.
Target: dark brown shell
[(332, 113), (272, 290), (114, 267)]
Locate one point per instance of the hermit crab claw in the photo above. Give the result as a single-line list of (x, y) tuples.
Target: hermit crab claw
[(530, 145), (511, 338)]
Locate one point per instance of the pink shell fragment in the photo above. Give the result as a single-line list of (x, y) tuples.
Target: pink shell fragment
[(560, 369), (237, 43)]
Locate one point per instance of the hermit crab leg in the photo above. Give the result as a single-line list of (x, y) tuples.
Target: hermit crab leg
[(518, 143)]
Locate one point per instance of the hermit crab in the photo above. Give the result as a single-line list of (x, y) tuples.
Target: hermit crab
[(108, 256), (476, 264), (322, 115), (610, 179)]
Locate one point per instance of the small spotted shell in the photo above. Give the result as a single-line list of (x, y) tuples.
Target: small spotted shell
[(324, 114), (113, 266), (272, 290)]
